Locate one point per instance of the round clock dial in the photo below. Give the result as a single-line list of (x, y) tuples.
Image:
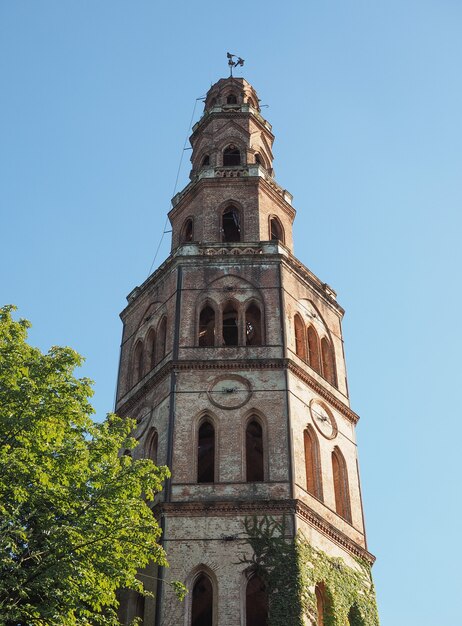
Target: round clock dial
[(323, 419)]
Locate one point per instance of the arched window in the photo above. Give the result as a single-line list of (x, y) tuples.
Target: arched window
[(230, 225), (230, 326), (205, 161), (207, 327), (320, 604), (276, 230), (150, 447), (253, 334), (328, 369), (139, 608), (231, 99), (161, 339), (151, 348), (354, 617), (254, 452), (138, 363), (187, 231), (312, 463), (313, 349), (231, 156), (206, 454), (341, 490), (202, 602), (300, 345), (256, 602)]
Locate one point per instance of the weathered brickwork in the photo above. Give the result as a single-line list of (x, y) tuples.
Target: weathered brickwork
[(210, 338)]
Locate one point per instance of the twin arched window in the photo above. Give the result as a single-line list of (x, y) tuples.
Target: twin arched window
[(320, 355), (202, 602), (254, 452), (150, 352), (231, 325), (314, 475)]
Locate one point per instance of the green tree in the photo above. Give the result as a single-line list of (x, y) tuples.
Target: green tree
[(75, 522)]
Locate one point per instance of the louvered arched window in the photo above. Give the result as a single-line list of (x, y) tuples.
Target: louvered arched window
[(254, 454), (312, 463), (256, 602), (206, 453), (202, 602), (300, 345), (313, 349), (327, 355), (341, 488)]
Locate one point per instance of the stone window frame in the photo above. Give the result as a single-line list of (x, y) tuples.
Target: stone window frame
[(191, 579)]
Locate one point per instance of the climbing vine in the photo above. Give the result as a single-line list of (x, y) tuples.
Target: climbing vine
[(292, 569)]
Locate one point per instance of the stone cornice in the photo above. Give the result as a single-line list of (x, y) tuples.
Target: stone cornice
[(129, 401), (314, 519), (265, 507)]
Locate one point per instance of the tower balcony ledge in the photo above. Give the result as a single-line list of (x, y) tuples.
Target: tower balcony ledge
[(231, 109), (252, 170)]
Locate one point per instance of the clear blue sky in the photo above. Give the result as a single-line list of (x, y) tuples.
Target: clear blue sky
[(365, 99)]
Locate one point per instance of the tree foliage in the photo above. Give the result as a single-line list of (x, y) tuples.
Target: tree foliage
[(75, 522)]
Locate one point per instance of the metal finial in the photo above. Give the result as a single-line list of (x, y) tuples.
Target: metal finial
[(233, 61)]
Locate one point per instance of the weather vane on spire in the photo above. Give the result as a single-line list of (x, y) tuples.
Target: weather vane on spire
[(233, 61)]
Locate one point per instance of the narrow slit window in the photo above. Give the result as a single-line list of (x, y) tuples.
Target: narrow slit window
[(231, 228), (230, 326), (138, 363), (162, 339), (151, 445), (312, 464), (253, 334), (254, 452), (206, 454), (151, 345), (328, 370), (256, 602), (320, 605), (300, 345), (202, 602), (231, 156), (207, 327)]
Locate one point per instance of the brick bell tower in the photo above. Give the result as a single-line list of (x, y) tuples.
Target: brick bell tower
[(232, 363)]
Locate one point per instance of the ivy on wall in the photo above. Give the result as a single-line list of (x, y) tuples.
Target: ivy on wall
[(292, 568)]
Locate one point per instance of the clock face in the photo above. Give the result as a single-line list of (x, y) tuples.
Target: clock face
[(323, 419)]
